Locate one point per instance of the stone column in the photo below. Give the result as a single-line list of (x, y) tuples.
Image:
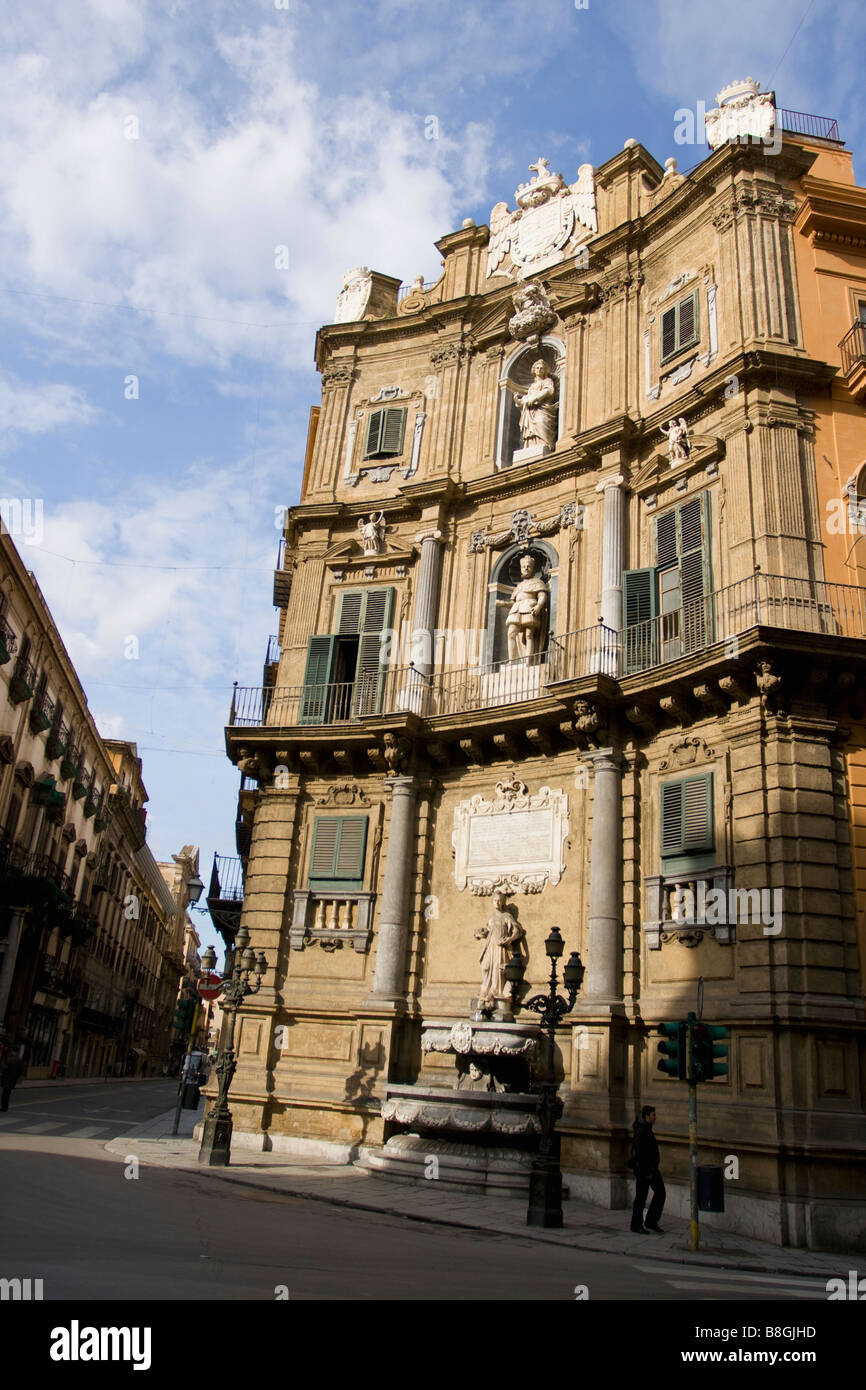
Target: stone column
[(602, 989), (612, 566), (10, 956), (388, 980), (427, 596)]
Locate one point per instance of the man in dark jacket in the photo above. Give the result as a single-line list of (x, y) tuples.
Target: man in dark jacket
[(10, 1070), (647, 1175)]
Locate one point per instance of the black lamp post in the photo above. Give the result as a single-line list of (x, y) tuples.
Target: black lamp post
[(216, 1141), (545, 1183), (194, 890)]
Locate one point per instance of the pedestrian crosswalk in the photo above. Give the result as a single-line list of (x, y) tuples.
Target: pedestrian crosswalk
[(707, 1284), (60, 1126)]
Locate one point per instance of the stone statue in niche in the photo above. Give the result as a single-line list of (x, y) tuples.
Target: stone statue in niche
[(372, 533), (677, 434), (526, 624), (474, 1078), (499, 935), (538, 410)]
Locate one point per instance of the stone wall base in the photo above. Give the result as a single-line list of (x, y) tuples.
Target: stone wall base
[(804, 1223)]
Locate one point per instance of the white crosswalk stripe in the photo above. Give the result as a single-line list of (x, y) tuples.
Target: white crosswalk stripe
[(727, 1289), (88, 1132), (43, 1128)]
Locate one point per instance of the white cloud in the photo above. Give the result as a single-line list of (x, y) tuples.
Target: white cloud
[(182, 223), (27, 409)]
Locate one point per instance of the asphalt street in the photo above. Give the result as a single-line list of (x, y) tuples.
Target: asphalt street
[(94, 1226)]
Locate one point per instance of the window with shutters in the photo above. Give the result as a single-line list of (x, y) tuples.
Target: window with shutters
[(680, 327), (385, 431), (345, 675), (687, 831), (667, 608), (337, 853)]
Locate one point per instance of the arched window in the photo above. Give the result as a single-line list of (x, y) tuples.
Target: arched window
[(505, 577), (517, 378)]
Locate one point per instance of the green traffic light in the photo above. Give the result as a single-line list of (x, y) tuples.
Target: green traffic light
[(673, 1050)]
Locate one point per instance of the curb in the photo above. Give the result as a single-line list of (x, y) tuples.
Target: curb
[(707, 1261)]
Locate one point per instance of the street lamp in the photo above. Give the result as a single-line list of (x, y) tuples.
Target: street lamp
[(194, 890), (216, 1138), (545, 1182)]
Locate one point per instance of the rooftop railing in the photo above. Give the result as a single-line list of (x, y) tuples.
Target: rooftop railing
[(804, 123), (777, 601)]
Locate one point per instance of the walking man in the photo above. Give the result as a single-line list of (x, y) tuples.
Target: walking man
[(647, 1175)]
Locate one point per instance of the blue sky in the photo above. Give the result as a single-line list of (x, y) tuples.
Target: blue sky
[(155, 364)]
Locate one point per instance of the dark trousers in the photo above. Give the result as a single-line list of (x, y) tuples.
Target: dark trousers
[(4, 1097), (656, 1206)]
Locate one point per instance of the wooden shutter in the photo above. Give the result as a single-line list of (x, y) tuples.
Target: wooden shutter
[(351, 847), (324, 851), (687, 327), (370, 673), (314, 696), (667, 549), (351, 607), (374, 433), (337, 853), (669, 333), (392, 432), (687, 817), (695, 582), (639, 608)]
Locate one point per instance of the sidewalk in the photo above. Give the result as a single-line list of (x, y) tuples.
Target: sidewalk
[(586, 1227)]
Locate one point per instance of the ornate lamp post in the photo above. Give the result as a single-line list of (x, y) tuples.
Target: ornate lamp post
[(216, 1139), (545, 1183), (194, 890)]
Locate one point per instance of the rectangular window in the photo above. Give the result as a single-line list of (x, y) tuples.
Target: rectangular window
[(337, 854), (345, 675), (667, 609), (385, 431), (680, 327), (687, 834)]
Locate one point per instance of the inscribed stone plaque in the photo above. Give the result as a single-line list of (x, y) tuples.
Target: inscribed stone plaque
[(513, 842)]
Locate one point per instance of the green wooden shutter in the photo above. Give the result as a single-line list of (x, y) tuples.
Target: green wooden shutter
[(639, 608), (695, 576), (669, 333), (687, 834), (314, 696), (324, 851), (667, 548), (337, 853), (351, 606), (352, 844), (392, 432), (370, 673), (688, 333), (374, 433)]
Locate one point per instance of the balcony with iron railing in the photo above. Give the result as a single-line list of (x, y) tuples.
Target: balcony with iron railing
[(226, 895), (8, 641), (771, 601), (853, 352), (804, 123)]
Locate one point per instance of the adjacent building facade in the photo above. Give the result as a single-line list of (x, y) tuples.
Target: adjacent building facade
[(91, 955), (566, 633)]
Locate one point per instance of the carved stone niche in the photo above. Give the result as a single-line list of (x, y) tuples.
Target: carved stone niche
[(513, 843)]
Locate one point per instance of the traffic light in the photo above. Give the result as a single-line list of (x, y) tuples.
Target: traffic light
[(707, 1053), (673, 1050), (183, 1015)]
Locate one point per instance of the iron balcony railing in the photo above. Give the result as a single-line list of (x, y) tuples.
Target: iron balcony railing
[(227, 879), (853, 347), (803, 123), (797, 605)]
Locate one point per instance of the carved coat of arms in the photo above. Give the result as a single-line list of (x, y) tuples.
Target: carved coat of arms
[(354, 297), (550, 219)]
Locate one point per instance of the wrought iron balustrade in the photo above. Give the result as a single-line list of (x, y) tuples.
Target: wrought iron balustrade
[(804, 123), (853, 347)]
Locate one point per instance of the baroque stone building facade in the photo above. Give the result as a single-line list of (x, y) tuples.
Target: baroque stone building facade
[(562, 620), (90, 955)]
